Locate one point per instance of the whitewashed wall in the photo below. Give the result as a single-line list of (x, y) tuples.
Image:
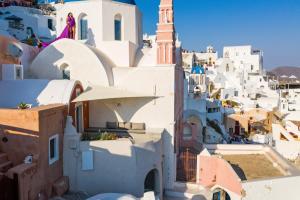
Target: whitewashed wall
[(100, 16), (288, 149), (273, 189), (118, 166)]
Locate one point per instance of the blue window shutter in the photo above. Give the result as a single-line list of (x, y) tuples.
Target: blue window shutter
[(83, 29), (118, 29)]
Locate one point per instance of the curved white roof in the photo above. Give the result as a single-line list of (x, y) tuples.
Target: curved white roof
[(35, 92), (292, 77), (113, 196), (86, 64)]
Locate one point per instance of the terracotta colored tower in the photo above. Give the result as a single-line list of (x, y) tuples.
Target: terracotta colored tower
[(166, 34)]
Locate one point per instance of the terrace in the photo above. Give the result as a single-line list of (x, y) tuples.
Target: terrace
[(253, 166), (242, 170), (253, 162)]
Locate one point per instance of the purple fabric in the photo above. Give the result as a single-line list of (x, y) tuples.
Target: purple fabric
[(67, 32)]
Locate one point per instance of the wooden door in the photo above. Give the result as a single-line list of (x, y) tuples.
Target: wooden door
[(187, 165)]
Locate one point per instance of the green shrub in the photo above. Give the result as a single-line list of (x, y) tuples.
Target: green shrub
[(108, 136), (99, 136), (23, 106)]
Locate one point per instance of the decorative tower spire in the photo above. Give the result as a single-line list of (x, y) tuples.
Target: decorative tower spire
[(166, 34)]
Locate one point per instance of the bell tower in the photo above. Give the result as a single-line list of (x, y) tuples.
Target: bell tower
[(166, 34)]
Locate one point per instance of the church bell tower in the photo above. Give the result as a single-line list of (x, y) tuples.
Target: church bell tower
[(166, 41)]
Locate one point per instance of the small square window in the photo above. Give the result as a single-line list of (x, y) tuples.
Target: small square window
[(18, 73), (53, 149), (50, 24)]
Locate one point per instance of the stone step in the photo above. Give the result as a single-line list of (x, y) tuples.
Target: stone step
[(177, 195), (5, 166), (3, 158), (187, 191)]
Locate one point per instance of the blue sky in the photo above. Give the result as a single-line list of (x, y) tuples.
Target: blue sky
[(270, 25)]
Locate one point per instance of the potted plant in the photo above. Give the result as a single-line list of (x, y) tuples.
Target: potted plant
[(23, 106)]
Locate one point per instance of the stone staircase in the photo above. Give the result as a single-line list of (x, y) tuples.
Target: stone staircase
[(5, 164), (187, 191)]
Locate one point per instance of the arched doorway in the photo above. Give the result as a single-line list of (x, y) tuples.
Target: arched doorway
[(152, 182), (195, 120)]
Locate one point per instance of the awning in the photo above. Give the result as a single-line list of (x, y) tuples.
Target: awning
[(96, 93)]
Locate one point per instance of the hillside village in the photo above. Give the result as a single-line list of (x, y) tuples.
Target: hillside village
[(110, 112)]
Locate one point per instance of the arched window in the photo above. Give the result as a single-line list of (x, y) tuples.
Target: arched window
[(227, 67), (83, 27), (118, 27), (187, 133), (65, 69)]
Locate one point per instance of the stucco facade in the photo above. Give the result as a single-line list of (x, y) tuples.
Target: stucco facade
[(127, 163), (103, 61), (28, 132)]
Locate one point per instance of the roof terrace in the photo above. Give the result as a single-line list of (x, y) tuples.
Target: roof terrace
[(253, 166)]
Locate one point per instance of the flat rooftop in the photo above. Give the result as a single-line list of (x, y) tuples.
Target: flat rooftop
[(252, 166)]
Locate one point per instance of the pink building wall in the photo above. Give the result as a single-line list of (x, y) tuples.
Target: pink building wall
[(27, 132), (216, 171)]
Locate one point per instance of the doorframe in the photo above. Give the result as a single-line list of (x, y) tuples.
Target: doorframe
[(77, 105)]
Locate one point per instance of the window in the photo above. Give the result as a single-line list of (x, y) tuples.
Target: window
[(66, 74), (187, 133), (230, 130), (83, 28), (65, 71), (50, 24), (15, 25), (236, 93), (53, 149), (227, 67), (118, 27), (252, 67), (19, 74)]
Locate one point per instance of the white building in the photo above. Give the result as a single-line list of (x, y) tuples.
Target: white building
[(208, 58), (239, 76), (117, 74), (21, 22), (245, 58)]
